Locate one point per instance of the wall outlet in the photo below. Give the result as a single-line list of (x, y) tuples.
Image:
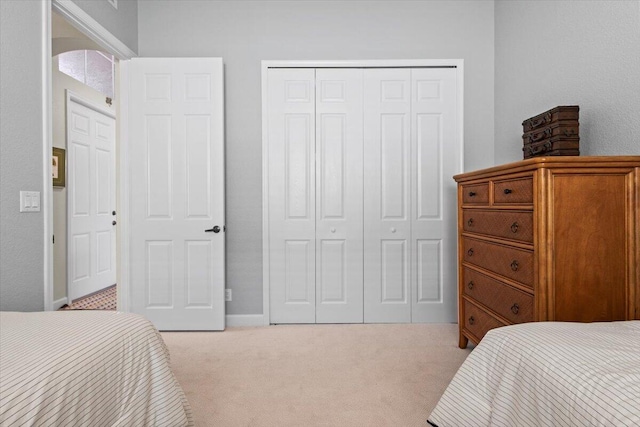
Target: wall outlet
[(227, 294)]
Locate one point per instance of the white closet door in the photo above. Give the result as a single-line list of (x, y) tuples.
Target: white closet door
[(387, 195), (292, 207), (435, 159), (339, 232)]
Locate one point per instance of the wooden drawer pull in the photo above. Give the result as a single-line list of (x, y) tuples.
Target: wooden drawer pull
[(472, 320), (508, 191), (514, 265), (470, 252), (515, 308), (472, 194), (470, 285), (514, 227), (470, 222)]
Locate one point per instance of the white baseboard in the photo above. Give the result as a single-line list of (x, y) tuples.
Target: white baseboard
[(59, 303), (244, 320)]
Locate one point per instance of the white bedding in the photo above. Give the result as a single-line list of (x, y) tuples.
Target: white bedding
[(86, 368), (548, 374)]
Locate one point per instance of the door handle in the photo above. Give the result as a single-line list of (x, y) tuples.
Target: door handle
[(113, 223), (215, 229)]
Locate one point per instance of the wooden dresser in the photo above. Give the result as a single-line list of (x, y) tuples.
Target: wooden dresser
[(548, 238)]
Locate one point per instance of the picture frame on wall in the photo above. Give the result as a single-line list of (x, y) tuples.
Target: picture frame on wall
[(58, 169)]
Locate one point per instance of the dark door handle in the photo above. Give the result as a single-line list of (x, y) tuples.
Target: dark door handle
[(215, 229), (113, 223)]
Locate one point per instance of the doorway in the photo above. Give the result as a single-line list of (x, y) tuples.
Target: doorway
[(72, 30)]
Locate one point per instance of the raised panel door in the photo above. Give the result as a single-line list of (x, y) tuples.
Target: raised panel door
[(387, 195), (435, 156), (177, 192), (292, 195), (339, 181)]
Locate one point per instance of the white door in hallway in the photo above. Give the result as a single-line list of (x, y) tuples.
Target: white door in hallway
[(91, 199), (176, 146)]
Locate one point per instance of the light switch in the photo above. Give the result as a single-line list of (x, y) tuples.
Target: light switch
[(29, 201)]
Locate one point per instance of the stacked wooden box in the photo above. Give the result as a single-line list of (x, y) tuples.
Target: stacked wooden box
[(552, 133)]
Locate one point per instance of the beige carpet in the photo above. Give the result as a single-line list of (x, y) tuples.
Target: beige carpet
[(315, 375)]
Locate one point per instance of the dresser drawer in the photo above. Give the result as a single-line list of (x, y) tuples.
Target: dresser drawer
[(505, 224), (513, 191), (475, 194), (477, 321), (515, 305), (514, 263)]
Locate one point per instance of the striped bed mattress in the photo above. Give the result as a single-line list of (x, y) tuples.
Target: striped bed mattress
[(548, 374), (86, 368)]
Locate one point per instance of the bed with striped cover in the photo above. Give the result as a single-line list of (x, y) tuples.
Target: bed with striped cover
[(86, 368), (548, 374)]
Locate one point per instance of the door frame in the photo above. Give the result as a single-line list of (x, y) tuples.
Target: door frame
[(74, 97), (83, 22), (458, 64)]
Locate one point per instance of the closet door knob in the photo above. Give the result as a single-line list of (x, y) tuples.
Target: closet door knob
[(393, 229), (333, 230)]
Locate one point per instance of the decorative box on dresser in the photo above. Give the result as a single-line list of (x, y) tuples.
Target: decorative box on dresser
[(548, 239)]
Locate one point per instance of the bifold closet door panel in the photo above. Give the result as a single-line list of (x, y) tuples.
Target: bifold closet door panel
[(339, 180), (435, 158), (292, 198), (387, 195)]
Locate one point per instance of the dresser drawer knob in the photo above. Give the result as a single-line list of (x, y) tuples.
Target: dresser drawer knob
[(514, 227), (470, 285), (515, 308), (514, 265), (472, 194), (507, 191), (472, 320), (470, 252), (470, 222)]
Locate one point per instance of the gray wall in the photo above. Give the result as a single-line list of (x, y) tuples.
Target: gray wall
[(246, 32), (584, 53), (121, 22), (21, 234)]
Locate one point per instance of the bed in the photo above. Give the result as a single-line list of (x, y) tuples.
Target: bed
[(548, 374), (86, 368)]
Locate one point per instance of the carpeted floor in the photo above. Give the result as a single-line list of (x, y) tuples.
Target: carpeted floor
[(105, 299), (316, 375)]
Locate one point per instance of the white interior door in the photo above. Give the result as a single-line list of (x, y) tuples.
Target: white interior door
[(292, 195), (91, 199), (339, 180), (361, 208), (435, 158), (387, 195), (177, 192)]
